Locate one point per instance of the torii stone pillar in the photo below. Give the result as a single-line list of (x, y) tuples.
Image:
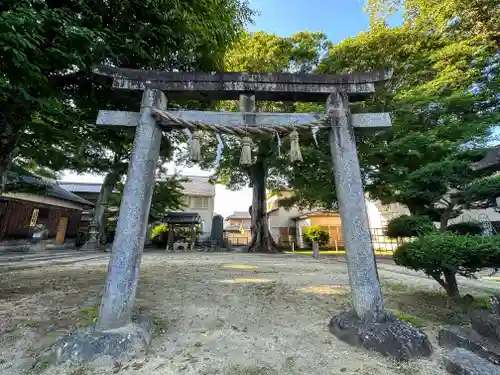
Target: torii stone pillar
[(368, 325), (123, 270), (118, 333), (363, 277)]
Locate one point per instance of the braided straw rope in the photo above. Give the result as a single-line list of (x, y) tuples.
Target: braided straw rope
[(168, 119)]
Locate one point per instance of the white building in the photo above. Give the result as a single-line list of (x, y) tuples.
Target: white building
[(199, 196)]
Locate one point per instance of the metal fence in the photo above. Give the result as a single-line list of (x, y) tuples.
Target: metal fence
[(236, 240), (379, 240), (383, 243)]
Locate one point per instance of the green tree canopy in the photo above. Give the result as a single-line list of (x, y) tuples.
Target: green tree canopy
[(262, 52), (167, 196), (443, 102), (47, 89)]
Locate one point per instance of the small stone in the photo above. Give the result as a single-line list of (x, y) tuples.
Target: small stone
[(486, 324), (461, 337), (460, 361), (388, 335), (495, 304), (51, 328), (117, 367)]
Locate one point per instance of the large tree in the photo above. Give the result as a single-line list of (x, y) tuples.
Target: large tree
[(263, 52), (167, 196), (48, 48), (442, 98)]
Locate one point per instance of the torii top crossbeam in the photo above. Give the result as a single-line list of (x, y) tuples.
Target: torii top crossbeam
[(265, 86)]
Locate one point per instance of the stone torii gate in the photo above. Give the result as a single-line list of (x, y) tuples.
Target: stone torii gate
[(337, 92)]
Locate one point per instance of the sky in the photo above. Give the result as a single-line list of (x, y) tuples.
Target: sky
[(339, 19)]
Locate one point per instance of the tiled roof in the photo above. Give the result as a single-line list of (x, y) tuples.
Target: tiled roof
[(197, 185), (307, 213), (51, 189), (239, 215), (81, 187), (182, 218)]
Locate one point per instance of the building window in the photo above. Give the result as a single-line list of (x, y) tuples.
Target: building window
[(199, 202)]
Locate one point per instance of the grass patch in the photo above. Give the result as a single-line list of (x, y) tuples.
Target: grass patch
[(429, 306), (89, 315), (52, 334), (481, 303), (415, 320)]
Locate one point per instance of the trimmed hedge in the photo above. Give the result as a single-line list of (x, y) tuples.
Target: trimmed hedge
[(409, 226), (444, 255), (315, 233)]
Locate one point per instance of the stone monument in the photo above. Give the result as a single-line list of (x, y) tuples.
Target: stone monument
[(93, 242), (217, 241)]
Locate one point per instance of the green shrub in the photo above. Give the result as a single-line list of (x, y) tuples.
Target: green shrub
[(159, 235), (315, 233), (415, 320), (444, 255), (409, 226), (468, 227), (158, 230)]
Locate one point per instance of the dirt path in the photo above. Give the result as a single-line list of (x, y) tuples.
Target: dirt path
[(229, 314)]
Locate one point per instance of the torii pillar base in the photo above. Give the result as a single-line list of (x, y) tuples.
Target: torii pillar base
[(387, 335), (92, 343)]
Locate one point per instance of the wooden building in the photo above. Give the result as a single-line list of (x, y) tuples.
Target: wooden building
[(33, 201)]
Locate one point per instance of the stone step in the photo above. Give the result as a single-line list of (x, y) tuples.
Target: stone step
[(467, 338), (486, 324), (460, 361)]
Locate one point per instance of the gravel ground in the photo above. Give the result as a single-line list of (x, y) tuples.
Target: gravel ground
[(222, 313)]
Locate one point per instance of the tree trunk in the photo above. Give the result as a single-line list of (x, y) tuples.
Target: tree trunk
[(102, 202), (261, 241), (9, 137), (451, 284), (445, 217)]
